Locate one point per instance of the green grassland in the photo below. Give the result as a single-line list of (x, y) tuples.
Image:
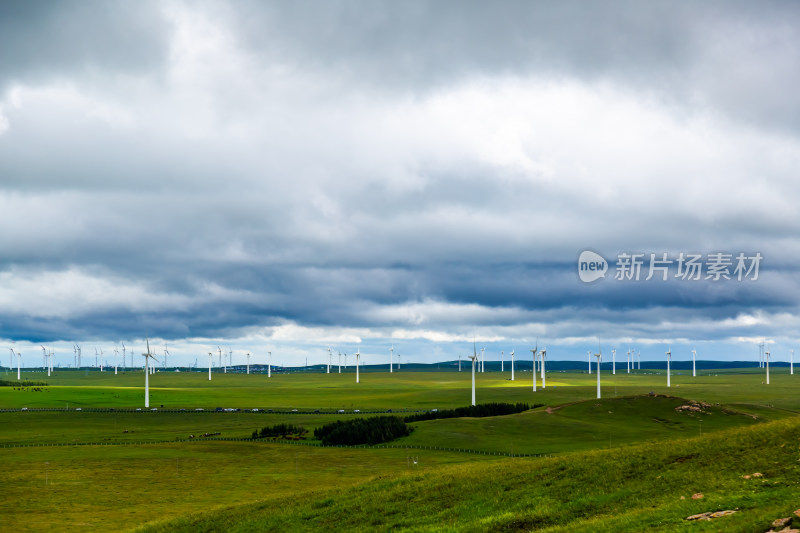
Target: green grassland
[(99, 475), (647, 487)]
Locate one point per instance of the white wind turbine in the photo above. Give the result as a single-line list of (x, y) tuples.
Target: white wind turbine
[(474, 357), (502, 369), (166, 353), (599, 356), (512, 365), (248, 363), (694, 363), (230, 357), (766, 363), (391, 359), (44, 360), (613, 361), (19, 366), (219, 350), (269, 364), (542, 356), (329, 360), (358, 355), (78, 346), (459, 362), (124, 365), (791, 362), (534, 351), (210, 361), (75, 355), (669, 358), (116, 356), (639, 353), (147, 357), (340, 362), (50, 357), (589, 352)]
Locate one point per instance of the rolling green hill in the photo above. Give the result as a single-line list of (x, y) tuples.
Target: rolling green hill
[(645, 487)]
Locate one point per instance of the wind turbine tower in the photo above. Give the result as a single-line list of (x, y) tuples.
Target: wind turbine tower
[(248, 363), (501, 361), (791, 362), (628, 360), (44, 360), (124, 365), (329, 360), (589, 352), (210, 358), (766, 363), (166, 353), (391, 359), (614, 362), (116, 356), (147, 357), (534, 351), (75, 355), (19, 366), (512, 365), (669, 358), (358, 356), (542, 356), (269, 364), (474, 357), (694, 363), (340, 362), (459, 362), (599, 356)]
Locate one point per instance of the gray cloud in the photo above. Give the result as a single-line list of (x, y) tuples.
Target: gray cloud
[(407, 169)]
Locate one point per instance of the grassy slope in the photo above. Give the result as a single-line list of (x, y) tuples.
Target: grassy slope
[(582, 426), (634, 488), (113, 488)]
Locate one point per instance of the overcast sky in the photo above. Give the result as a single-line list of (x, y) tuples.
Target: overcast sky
[(286, 176)]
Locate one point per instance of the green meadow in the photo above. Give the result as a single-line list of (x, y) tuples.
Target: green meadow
[(102, 469)]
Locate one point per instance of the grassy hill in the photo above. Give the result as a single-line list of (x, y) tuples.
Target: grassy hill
[(645, 487)]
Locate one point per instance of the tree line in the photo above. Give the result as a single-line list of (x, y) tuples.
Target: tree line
[(373, 430), (24, 383), (280, 430), (475, 411)]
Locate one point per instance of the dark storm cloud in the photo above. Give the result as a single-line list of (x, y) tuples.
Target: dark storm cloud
[(737, 56)]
